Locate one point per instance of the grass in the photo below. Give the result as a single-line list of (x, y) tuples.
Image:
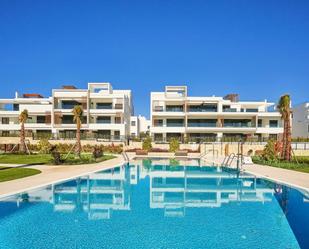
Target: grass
[(26, 159), (301, 166), (8, 173), (86, 158)]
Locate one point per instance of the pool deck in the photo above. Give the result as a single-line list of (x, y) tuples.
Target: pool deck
[(284, 176), (52, 174)]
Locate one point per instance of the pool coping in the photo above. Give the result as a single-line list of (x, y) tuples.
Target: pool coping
[(28, 189), (122, 162), (267, 177)]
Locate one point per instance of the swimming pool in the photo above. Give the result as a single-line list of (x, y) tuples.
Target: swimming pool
[(157, 204)]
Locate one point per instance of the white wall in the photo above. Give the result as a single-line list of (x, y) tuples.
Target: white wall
[(300, 126)]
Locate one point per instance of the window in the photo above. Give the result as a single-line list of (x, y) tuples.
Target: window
[(117, 120), (273, 123), (158, 122), (227, 108), (174, 122), (203, 108), (202, 122), (118, 106), (252, 110), (40, 119), (104, 105), (133, 123), (69, 104), (5, 120), (174, 108), (16, 107), (103, 120), (158, 137), (260, 123), (5, 133)]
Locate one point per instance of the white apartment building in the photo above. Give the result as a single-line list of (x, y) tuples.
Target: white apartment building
[(175, 114), (300, 128), (106, 112), (139, 124)]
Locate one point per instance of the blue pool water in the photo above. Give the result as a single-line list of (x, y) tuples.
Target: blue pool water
[(157, 204)]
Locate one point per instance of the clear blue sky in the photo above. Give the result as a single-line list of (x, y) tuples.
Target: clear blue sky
[(259, 49)]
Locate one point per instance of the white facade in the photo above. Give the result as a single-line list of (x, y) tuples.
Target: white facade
[(300, 128), (106, 112), (139, 124), (175, 114)]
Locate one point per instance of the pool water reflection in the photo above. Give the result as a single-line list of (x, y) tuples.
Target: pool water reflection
[(157, 204)]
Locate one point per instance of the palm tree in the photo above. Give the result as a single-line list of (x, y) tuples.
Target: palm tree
[(284, 107), (23, 116), (77, 118)]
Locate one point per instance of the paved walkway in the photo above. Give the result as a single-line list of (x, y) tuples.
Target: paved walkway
[(284, 176), (52, 174)]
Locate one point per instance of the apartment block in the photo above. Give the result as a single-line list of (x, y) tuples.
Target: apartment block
[(139, 124), (106, 113), (300, 128), (175, 114)]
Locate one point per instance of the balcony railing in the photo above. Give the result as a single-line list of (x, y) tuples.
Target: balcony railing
[(238, 125), (174, 125), (202, 125), (158, 108), (174, 109), (229, 110)]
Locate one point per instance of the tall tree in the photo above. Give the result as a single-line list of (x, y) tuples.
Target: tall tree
[(23, 116), (284, 107), (77, 118)]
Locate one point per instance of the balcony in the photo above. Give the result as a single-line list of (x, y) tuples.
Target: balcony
[(202, 123), (229, 109), (174, 109), (158, 108), (68, 104), (103, 106), (174, 123), (238, 125), (203, 108)]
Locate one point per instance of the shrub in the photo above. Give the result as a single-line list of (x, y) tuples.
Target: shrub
[(147, 144), (258, 153), (88, 148), (56, 155), (63, 148), (271, 151), (97, 152), (174, 144), (44, 146), (114, 149)]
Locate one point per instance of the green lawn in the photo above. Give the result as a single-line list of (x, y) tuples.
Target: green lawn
[(47, 159), (302, 165), (8, 173), (25, 159)]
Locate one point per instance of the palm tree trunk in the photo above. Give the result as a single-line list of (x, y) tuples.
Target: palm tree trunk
[(22, 147), (283, 150), (78, 144), (288, 140)]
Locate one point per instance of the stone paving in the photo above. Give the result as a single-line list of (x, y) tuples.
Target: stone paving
[(51, 174)]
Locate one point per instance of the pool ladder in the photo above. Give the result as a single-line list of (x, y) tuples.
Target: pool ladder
[(228, 160), (125, 156)]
